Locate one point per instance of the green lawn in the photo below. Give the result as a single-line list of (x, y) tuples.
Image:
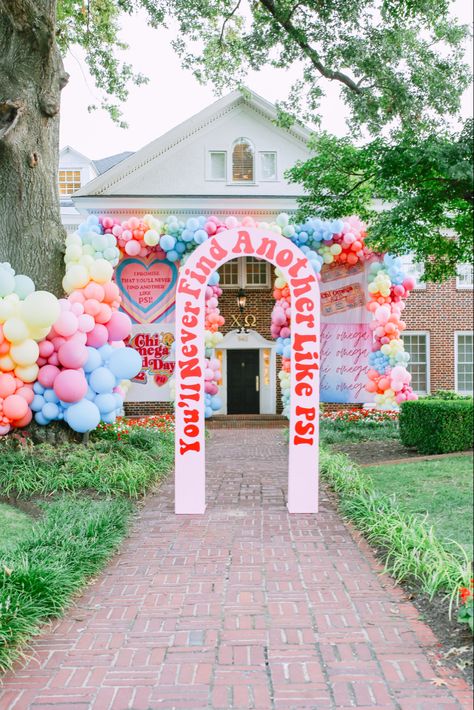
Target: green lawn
[(14, 526), (84, 493), (441, 488)]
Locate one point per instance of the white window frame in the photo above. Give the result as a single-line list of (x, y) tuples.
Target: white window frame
[(230, 172), (71, 169), (464, 287), (419, 285), (426, 333), (261, 153), (457, 333), (209, 177), (242, 277)]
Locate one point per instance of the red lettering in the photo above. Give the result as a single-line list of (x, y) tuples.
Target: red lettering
[(243, 242)]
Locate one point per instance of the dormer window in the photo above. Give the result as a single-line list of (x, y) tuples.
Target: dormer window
[(243, 167), (69, 182)]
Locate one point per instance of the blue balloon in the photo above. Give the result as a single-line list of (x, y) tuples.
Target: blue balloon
[(106, 403), (124, 363), (37, 403), (200, 236), (94, 359), (105, 352), (102, 380), (208, 412), (109, 417), (167, 242), (214, 279), (37, 388), (50, 410), (41, 419), (50, 396), (83, 416), (216, 403), (180, 247), (172, 255)]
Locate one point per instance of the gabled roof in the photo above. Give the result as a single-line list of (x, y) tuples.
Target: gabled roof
[(157, 148), (70, 149), (105, 164)]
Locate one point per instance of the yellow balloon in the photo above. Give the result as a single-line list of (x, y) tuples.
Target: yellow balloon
[(39, 333), (77, 276), (101, 271), (28, 373), (25, 353), (6, 364), (15, 330), (151, 237), (40, 309)]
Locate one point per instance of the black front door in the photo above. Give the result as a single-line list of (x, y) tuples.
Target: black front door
[(243, 396)]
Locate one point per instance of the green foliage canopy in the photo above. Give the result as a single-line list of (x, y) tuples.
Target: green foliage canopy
[(397, 62), (425, 185)]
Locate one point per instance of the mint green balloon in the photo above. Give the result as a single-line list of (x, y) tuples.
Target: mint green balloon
[(23, 286), (7, 283)]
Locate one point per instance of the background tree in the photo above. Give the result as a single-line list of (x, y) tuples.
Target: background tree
[(424, 183), (398, 63)]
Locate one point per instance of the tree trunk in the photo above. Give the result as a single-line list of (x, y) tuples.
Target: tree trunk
[(31, 79)]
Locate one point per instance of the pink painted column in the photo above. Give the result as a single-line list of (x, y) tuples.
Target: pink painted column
[(190, 478)]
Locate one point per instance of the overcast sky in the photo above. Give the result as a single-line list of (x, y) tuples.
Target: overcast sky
[(172, 94)]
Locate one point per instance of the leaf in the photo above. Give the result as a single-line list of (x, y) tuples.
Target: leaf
[(438, 682), (7, 570)]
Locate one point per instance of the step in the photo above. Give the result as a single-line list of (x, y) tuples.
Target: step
[(247, 421)]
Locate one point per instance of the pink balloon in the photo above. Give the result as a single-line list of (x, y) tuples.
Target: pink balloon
[(111, 292), (104, 314), (15, 407), (92, 307), (86, 323), (95, 291), (76, 297), (132, 248), (71, 355), (107, 223), (70, 385), (24, 421), (285, 332), (46, 348), (53, 359), (119, 326), (7, 384), (77, 309), (66, 324), (47, 375), (98, 336), (27, 393)]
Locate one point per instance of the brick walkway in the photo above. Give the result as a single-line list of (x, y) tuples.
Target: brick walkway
[(244, 607)]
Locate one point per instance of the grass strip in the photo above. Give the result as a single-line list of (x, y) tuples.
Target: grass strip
[(129, 466), (411, 549), (39, 577)]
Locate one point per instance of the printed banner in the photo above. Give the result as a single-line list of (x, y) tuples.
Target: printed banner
[(148, 288), (155, 347), (346, 338)]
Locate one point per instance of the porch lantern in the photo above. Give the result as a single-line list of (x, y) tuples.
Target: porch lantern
[(242, 302)]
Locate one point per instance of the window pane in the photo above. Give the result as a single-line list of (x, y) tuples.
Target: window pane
[(217, 165), (465, 276), (229, 273), (69, 181), (416, 347), (464, 369), (242, 161), (256, 272), (268, 166)]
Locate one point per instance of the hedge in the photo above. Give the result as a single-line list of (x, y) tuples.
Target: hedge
[(435, 426)]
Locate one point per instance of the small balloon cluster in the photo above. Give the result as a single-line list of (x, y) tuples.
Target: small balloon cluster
[(26, 316), (389, 380), (212, 370)]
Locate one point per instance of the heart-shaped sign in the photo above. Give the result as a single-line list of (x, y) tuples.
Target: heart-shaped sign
[(147, 286)]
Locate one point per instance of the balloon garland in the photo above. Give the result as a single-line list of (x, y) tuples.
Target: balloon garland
[(67, 359)]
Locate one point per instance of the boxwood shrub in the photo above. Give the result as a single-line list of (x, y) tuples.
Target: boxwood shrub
[(436, 426)]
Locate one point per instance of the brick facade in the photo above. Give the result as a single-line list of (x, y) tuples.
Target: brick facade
[(440, 310)]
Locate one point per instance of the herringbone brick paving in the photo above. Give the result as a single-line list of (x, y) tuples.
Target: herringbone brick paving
[(244, 607)]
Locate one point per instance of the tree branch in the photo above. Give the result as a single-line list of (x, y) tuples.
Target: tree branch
[(229, 17), (298, 36)]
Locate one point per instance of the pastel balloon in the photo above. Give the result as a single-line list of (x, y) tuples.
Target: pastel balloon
[(125, 363), (119, 326), (47, 375), (72, 356), (40, 309), (83, 416), (102, 380), (15, 407), (70, 385), (25, 353), (7, 385)]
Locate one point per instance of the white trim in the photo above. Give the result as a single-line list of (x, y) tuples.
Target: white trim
[(72, 169), (427, 334), (457, 333), (242, 277), (250, 341)]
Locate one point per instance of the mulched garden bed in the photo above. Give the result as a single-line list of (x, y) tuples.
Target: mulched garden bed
[(379, 451)]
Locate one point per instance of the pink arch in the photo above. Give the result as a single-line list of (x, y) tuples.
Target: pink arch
[(190, 474)]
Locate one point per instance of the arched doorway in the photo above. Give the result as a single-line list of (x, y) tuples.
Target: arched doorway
[(190, 475)]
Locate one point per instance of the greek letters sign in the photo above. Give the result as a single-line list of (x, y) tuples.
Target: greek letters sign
[(190, 478)]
